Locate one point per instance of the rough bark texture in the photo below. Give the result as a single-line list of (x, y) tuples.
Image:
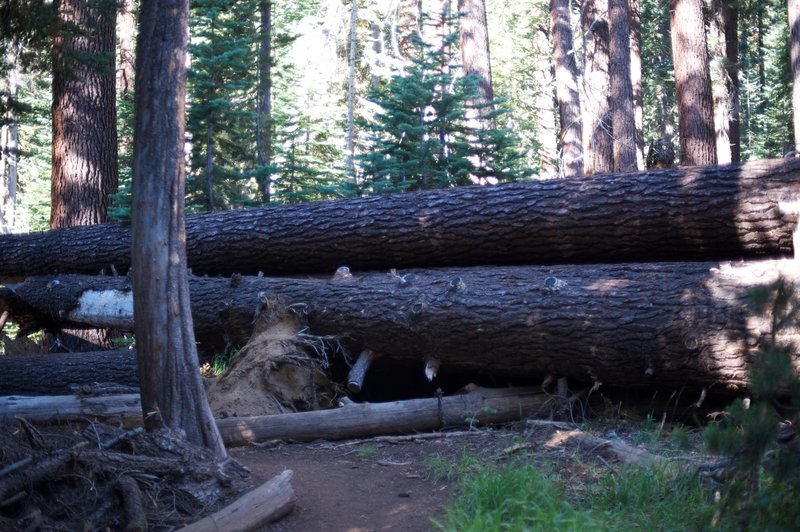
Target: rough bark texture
[(59, 374), (638, 325), (172, 390), (693, 83), (794, 49), (84, 165), (569, 107), (598, 148), (475, 59), (623, 122), (719, 213)]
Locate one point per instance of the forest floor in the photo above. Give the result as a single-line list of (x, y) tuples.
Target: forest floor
[(403, 484)]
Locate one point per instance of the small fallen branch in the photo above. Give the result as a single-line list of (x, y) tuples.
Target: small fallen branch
[(265, 504)]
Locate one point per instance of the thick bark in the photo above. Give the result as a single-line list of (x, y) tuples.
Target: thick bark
[(598, 148), (84, 166), (794, 49), (172, 390), (475, 59), (59, 374), (637, 325), (676, 214), (349, 163), (569, 107), (623, 123), (693, 83)]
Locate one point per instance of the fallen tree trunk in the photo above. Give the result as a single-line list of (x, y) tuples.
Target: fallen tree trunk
[(56, 374), (671, 325), (481, 406), (716, 213)]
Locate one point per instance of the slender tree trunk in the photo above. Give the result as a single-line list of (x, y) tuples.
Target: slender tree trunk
[(623, 121), (636, 78), (126, 31), (84, 153), (210, 166), (546, 133), (172, 390), (597, 135), (569, 107), (794, 27), (726, 85), (693, 83), (475, 57), (9, 152), (665, 88), (264, 121), (350, 170)]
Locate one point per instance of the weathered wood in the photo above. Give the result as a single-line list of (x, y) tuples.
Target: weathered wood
[(640, 325), (356, 375), (481, 406), (717, 213), (125, 409), (265, 504), (57, 374)]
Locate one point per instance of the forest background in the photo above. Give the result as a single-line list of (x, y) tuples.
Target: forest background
[(320, 99)]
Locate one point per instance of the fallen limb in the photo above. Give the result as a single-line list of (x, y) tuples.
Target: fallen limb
[(482, 406), (265, 504), (675, 325), (357, 420), (690, 213)]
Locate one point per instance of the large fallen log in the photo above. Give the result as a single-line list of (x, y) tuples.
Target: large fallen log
[(478, 407), (641, 325), (715, 213), (58, 374)]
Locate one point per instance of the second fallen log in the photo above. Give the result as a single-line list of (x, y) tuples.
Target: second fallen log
[(712, 213), (679, 325)]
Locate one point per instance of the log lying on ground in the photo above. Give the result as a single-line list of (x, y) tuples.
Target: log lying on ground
[(642, 325), (481, 406), (265, 504), (716, 213), (56, 374)]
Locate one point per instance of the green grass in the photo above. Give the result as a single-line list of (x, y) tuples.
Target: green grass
[(523, 496)]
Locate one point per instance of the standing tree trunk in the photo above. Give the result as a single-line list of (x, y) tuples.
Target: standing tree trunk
[(349, 163), (264, 121), (724, 30), (569, 107), (636, 78), (693, 83), (598, 148), (9, 152), (623, 122), (126, 30), (172, 389), (84, 111), (794, 27), (84, 165), (545, 104), (475, 58)]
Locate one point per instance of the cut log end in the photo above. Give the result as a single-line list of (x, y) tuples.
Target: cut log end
[(355, 378)]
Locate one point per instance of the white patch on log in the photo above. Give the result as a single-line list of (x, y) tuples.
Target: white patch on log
[(106, 308)]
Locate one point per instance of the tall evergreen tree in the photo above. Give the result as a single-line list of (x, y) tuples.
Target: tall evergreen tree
[(693, 82), (623, 122), (794, 27), (597, 131)]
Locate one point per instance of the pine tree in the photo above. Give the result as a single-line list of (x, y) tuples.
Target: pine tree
[(419, 137)]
